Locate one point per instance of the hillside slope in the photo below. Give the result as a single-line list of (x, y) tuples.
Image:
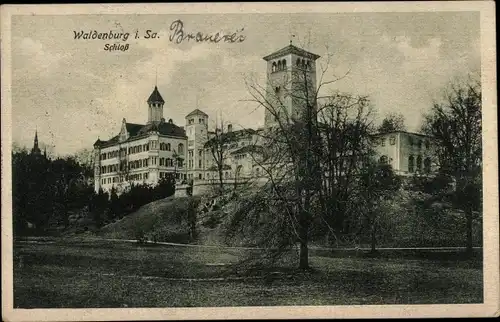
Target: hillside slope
[(166, 220), (163, 220)]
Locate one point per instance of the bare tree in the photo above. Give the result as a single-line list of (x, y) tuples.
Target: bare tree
[(218, 147), (455, 125), (346, 128), (293, 160)]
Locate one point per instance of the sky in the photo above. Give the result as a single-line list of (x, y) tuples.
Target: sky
[(72, 91)]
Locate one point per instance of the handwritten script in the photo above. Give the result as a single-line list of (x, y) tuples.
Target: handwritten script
[(177, 35)]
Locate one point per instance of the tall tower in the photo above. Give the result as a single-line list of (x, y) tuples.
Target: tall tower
[(197, 133), (36, 150), (155, 106), (291, 83)]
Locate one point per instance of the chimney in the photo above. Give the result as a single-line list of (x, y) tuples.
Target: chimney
[(229, 127)]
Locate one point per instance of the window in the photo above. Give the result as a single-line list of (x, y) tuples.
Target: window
[(427, 165), (392, 140), (180, 163), (167, 146), (411, 164), (419, 163), (427, 144), (283, 64), (200, 153), (199, 164), (273, 69), (410, 140), (180, 149)]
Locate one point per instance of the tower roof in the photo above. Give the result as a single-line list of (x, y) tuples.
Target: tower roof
[(291, 49), (197, 112), (36, 149), (155, 97)]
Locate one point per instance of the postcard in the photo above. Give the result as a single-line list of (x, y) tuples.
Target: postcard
[(249, 160)]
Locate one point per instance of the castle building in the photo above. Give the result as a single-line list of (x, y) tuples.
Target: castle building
[(408, 153), (141, 153), (146, 153)]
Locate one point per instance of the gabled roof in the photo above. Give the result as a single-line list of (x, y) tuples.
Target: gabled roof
[(163, 128), (291, 49), (140, 130), (155, 97), (196, 112), (133, 128)]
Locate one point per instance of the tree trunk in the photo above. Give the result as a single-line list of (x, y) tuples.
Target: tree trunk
[(304, 231), (374, 238), (468, 215), (304, 255), (221, 181)]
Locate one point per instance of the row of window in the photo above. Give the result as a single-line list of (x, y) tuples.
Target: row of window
[(191, 121), (191, 164), (411, 164), (141, 148), (418, 143), (281, 64), (167, 147), (168, 162), (178, 175), (392, 141), (137, 164), (124, 166), (131, 177)]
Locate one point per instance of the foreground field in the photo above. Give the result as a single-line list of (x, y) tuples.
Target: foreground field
[(81, 273)]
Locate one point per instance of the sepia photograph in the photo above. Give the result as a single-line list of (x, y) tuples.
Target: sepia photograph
[(183, 161)]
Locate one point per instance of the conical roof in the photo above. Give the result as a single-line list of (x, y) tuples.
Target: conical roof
[(155, 97)]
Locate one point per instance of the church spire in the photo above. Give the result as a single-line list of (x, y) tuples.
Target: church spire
[(36, 149)]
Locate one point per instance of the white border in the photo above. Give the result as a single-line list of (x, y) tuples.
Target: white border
[(490, 171)]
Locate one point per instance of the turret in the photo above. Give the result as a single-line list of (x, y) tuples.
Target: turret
[(155, 106)]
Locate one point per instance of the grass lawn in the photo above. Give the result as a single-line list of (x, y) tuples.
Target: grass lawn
[(74, 273)]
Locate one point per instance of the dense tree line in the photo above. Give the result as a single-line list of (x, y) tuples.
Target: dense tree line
[(45, 190)]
